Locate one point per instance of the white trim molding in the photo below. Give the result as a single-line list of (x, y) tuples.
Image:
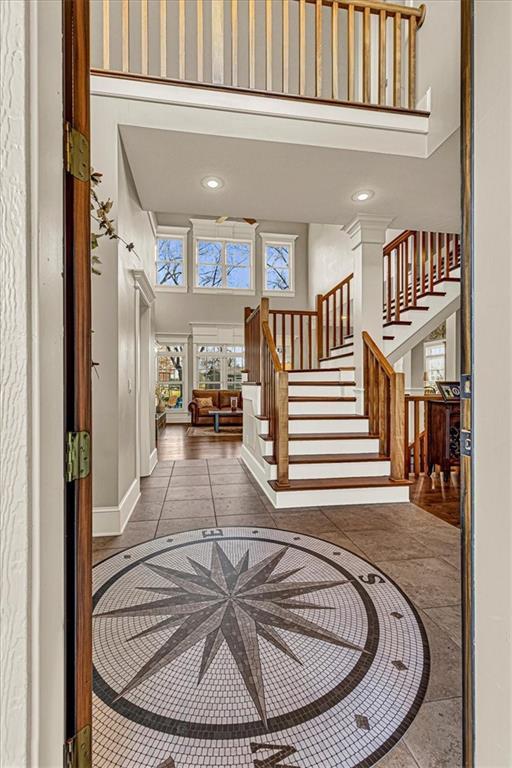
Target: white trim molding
[(111, 521), (172, 233), (153, 459), (143, 285), (272, 238)]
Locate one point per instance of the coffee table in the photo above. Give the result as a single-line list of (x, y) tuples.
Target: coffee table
[(217, 415)]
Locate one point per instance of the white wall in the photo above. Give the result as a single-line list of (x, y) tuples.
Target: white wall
[(115, 321), (174, 311), (31, 405), (330, 258), (492, 436)]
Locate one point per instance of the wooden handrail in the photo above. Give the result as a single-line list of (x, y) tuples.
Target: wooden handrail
[(414, 263), (266, 68), (274, 403), (384, 405), (333, 311)]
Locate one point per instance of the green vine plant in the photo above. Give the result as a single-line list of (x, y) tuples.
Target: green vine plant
[(100, 210)]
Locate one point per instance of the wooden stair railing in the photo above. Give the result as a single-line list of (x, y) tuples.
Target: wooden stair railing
[(333, 317), (294, 336), (414, 263), (370, 64), (274, 403), (252, 341), (384, 405)]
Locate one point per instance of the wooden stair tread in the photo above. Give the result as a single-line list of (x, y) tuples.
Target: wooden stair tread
[(322, 383), (297, 399), (335, 483), (335, 357), (312, 416), (397, 322), (327, 436), (329, 458)]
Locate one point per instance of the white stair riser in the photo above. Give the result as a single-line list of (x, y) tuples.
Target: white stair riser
[(322, 406), (350, 445), (318, 376), (338, 469), (300, 426), (340, 496), (317, 390), (336, 362)]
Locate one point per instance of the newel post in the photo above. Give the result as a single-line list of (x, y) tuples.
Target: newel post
[(368, 235), (264, 315), (397, 425), (281, 436), (319, 327)]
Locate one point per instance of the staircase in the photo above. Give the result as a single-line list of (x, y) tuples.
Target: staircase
[(304, 440)]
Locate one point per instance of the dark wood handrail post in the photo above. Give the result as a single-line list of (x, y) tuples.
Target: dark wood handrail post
[(281, 437), (264, 315), (319, 328), (397, 410)]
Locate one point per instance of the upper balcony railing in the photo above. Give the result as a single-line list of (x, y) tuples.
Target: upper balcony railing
[(330, 51)]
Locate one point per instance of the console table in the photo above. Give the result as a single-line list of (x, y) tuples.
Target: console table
[(443, 435)]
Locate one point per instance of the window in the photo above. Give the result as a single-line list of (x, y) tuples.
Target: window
[(278, 264), (219, 366), (223, 256), (171, 259), (435, 362), (223, 264), (171, 374)]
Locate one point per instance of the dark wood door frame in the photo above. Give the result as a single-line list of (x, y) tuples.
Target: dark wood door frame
[(467, 459), (77, 346), (77, 385)]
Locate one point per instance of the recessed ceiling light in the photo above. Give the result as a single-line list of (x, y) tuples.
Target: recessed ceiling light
[(212, 182), (363, 195)]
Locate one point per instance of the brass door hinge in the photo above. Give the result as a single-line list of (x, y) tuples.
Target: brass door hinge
[(78, 445), (78, 162), (77, 751)]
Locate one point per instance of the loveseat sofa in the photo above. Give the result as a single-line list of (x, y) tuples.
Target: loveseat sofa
[(221, 400)]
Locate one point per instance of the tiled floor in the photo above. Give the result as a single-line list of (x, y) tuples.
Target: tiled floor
[(418, 551)]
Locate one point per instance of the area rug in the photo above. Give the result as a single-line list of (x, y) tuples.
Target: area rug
[(251, 647), (206, 431)]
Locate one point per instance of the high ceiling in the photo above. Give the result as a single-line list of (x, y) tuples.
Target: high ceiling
[(289, 182)]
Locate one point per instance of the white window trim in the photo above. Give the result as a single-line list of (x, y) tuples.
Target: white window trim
[(173, 233), (272, 238), (223, 356), (182, 340), (228, 231)]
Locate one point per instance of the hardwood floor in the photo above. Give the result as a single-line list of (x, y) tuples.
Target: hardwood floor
[(173, 444), (438, 496), (433, 494)]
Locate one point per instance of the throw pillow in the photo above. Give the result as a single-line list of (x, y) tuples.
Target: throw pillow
[(204, 402)]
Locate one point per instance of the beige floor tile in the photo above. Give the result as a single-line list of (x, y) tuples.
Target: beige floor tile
[(133, 534), (195, 470), (399, 757), (155, 481), (152, 494), (360, 518), (385, 544), (343, 541), (146, 510), (445, 663), (196, 492), (223, 462), (264, 520), (161, 471), (178, 525), (435, 736), (247, 505), (99, 555), (312, 522), (234, 478), (449, 618), (428, 582), (184, 481), (233, 491), (223, 469), (187, 508)]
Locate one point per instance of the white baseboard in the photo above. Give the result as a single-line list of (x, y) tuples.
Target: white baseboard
[(153, 460), (111, 521), (178, 418)]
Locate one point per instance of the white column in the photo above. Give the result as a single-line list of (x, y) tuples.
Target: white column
[(368, 235)]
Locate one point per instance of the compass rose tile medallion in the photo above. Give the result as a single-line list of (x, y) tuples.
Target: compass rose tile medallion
[(251, 648)]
